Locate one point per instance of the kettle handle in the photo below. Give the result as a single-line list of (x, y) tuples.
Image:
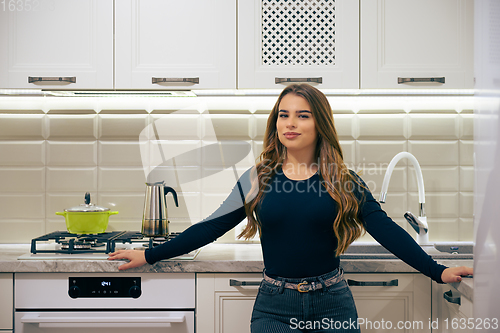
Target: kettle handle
[(171, 190)]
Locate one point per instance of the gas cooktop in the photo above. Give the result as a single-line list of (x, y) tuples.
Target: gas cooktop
[(65, 245)]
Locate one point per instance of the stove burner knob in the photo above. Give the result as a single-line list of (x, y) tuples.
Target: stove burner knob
[(74, 291), (135, 291)]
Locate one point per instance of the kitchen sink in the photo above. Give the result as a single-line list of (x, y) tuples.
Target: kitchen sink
[(451, 250), (455, 248), (440, 250)]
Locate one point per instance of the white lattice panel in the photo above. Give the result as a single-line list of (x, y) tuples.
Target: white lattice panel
[(298, 32), (284, 41)]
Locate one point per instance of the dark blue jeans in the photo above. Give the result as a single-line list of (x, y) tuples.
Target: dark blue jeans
[(282, 310)]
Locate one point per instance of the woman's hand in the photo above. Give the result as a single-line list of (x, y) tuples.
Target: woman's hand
[(454, 274), (136, 258)]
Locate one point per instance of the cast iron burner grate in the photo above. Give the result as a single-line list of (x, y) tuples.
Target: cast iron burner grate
[(92, 243)]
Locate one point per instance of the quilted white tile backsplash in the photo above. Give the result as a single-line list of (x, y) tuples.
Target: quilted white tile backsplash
[(226, 127), (28, 153), (71, 127), (425, 126), (176, 127), (371, 153), (51, 157), (22, 127), (23, 179), (433, 152), (121, 126), (382, 127), (64, 153), (120, 153), (61, 179)]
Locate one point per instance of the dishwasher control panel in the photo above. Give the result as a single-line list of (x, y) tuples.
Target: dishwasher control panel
[(104, 287)]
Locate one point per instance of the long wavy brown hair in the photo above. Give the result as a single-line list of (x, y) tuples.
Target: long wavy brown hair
[(337, 179)]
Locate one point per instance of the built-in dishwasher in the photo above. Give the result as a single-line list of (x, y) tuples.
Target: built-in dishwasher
[(104, 302)]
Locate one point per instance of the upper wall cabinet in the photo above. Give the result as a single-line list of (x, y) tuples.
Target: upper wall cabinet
[(417, 44), (280, 42), (56, 44), (172, 44), (228, 44)]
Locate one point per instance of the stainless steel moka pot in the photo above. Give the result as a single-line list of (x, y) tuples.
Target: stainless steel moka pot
[(155, 217)]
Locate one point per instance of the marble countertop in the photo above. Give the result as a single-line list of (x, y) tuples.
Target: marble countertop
[(465, 287), (213, 258)]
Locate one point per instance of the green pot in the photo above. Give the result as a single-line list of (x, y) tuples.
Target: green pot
[(86, 222), (87, 218)]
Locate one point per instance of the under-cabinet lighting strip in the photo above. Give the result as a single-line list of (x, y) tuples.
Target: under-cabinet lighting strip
[(235, 92)]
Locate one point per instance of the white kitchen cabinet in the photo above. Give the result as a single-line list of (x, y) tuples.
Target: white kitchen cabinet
[(428, 41), (6, 301), (227, 44), (56, 44), (280, 42), (453, 312), (389, 301), (222, 307), (225, 308), (168, 44)]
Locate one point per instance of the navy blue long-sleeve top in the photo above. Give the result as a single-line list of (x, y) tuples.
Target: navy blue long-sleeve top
[(297, 235)]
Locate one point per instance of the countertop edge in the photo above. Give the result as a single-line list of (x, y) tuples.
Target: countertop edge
[(465, 287)]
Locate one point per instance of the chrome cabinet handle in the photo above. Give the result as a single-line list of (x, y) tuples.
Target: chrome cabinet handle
[(448, 295), (157, 80), (372, 283), (420, 79), (99, 321), (235, 283), (33, 79), (278, 80)]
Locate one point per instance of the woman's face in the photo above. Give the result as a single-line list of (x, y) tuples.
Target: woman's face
[(295, 125)]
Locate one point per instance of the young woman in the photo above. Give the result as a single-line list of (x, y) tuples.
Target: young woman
[(307, 208)]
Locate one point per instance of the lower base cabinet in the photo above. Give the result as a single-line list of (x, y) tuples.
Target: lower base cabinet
[(453, 312), (384, 301), (6, 302), (225, 301), (392, 302)]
